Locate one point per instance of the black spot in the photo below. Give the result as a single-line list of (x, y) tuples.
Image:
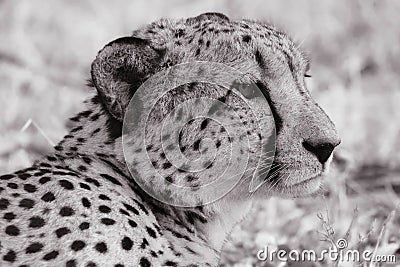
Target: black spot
[(196, 144), (76, 129), (191, 178), (151, 232), (124, 212), (51, 256), (12, 230), (48, 197), (70, 263), (44, 180), (95, 117), (114, 128), (141, 206), (30, 188), (180, 33), (193, 216), (81, 140), (45, 165), (218, 144), (50, 158), (26, 203), (96, 131), (36, 222), (82, 168), (246, 38), (259, 59), (6, 177), (92, 181), (60, 232), (87, 160), (110, 178), (144, 262), (132, 223), (197, 52), (38, 174), (10, 256), (153, 254), (66, 184), (144, 244), (33, 248), (126, 243), (107, 221), (86, 203), (78, 245), (101, 247), (166, 165), (104, 197), (24, 176), (131, 209), (84, 186), (204, 124), (12, 185), (90, 264), (84, 226), (179, 235), (222, 99), (170, 263), (4, 203), (9, 216), (169, 179), (104, 209), (66, 211)]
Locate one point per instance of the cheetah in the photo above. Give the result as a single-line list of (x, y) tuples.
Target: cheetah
[(81, 206)]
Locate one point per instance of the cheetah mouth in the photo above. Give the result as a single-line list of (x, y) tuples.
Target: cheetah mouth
[(295, 183), (307, 181)]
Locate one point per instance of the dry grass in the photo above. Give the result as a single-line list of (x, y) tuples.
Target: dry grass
[(47, 47)]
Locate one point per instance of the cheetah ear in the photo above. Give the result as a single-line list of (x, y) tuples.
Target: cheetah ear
[(120, 68)]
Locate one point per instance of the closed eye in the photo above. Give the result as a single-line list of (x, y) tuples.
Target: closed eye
[(307, 75)]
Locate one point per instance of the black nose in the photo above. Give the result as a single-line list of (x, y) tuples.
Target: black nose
[(322, 150)]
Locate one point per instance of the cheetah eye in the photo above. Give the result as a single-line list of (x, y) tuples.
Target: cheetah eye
[(307, 75)]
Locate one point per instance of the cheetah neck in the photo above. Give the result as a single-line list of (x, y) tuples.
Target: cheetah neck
[(96, 134)]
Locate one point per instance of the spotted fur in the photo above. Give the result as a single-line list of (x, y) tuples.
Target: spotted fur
[(80, 206)]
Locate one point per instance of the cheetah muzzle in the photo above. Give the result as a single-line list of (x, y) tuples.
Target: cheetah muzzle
[(80, 206)]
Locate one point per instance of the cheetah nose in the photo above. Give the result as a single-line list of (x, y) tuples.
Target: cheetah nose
[(323, 150)]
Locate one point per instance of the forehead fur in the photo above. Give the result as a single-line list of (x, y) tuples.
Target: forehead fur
[(214, 37)]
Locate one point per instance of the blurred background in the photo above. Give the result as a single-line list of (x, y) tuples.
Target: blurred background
[(47, 47)]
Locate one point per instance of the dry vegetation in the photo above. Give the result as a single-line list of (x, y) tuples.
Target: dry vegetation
[(47, 47)]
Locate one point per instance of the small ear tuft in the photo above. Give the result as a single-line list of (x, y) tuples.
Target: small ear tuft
[(120, 68)]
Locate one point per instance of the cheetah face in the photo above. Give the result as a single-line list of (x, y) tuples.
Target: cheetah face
[(305, 136)]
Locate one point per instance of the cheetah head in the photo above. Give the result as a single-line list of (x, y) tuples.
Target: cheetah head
[(305, 136)]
